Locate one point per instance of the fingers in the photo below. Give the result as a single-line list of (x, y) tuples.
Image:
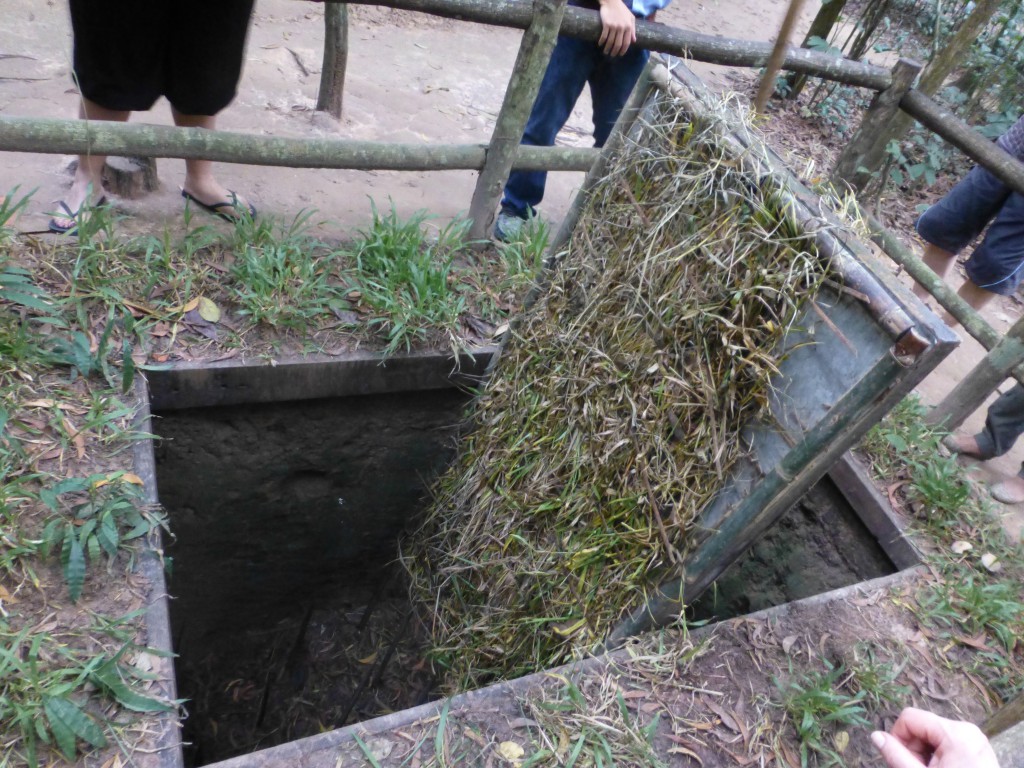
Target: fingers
[(893, 752), (919, 725), (618, 28), (619, 40)]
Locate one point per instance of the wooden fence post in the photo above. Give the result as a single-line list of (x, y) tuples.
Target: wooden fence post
[(332, 73), (970, 392), (862, 151), (534, 54)]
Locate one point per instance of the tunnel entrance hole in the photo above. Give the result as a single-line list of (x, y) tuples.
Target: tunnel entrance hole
[(289, 611)]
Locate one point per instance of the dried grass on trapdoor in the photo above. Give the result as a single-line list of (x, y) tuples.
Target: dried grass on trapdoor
[(615, 412)]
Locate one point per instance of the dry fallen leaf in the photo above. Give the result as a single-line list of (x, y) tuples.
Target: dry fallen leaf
[(787, 644), (208, 310), (6, 596), (188, 306), (842, 741), (511, 751)]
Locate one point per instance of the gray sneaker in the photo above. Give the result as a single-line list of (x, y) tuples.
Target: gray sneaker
[(508, 228)]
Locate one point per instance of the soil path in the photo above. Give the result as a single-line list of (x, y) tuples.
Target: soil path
[(410, 78)]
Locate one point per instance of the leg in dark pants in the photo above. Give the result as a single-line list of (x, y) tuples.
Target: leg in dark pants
[(1004, 423), (573, 64)]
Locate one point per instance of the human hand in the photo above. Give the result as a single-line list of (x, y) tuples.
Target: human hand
[(618, 27), (921, 738)]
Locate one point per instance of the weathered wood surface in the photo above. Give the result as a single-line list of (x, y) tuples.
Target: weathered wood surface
[(78, 137), (972, 390), (331, 96), (863, 145), (958, 133), (531, 63), (586, 24)]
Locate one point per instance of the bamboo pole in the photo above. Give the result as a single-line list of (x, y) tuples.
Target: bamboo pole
[(940, 120), (972, 390), (531, 63), (972, 322), (883, 107), (586, 24), (335, 62), (106, 138), (778, 55)]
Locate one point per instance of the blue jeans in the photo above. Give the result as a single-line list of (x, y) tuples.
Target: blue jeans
[(573, 64), (958, 218)]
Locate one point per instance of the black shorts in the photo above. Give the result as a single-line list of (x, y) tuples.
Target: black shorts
[(129, 53)]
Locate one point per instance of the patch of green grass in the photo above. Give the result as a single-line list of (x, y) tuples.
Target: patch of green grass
[(979, 609), (282, 277), (10, 206), (901, 435), (17, 487), (973, 603), (578, 728), (406, 277), (54, 693), (878, 678), (940, 484), (94, 517), (820, 708)]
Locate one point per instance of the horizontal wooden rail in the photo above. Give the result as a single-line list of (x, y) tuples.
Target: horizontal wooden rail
[(79, 137), (940, 120), (972, 322), (586, 24)]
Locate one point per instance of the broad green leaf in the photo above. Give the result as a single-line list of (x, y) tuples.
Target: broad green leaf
[(107, 535), (53, 535), (74, 568), (92, 546), (67, 722), (108, 677), (24, 299)]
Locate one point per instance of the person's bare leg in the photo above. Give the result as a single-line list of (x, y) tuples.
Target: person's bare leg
[(88, 181), (199, 179), (939, 260), (976, 297)]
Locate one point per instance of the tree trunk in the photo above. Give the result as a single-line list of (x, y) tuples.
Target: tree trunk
[(332, 74), (821, 28)]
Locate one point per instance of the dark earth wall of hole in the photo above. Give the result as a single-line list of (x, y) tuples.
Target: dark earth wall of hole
[(289, 614), (817, 546), (286, 597)]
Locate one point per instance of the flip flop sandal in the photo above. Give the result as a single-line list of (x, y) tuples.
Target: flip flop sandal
[(71, 229), (221, 208)]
